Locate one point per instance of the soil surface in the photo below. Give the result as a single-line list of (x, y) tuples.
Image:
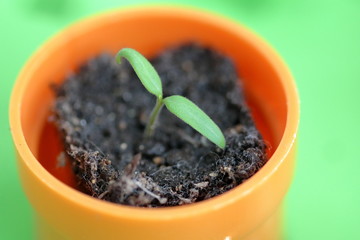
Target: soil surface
[(101, 112)]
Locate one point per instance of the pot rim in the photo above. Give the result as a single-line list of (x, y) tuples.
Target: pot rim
[(129, 212)]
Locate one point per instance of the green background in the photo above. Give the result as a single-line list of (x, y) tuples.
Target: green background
[(320, 41)]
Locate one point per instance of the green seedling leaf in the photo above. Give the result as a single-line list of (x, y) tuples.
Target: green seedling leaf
[(187, 111), (144, 70), (180, 106)]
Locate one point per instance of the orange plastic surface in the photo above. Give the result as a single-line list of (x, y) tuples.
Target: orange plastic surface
[(250, 210)]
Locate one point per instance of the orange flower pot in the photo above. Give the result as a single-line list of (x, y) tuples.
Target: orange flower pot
[(249, 211)]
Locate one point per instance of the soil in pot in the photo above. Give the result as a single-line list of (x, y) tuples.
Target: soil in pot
[(101, 112)]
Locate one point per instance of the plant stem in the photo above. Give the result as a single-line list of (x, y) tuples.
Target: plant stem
[(150, 126)]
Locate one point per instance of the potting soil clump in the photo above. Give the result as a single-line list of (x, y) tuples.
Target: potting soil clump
[(101, 112)]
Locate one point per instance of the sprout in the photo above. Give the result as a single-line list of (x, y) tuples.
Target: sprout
[(180, 106)]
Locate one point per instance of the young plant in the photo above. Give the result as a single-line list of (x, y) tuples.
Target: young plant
[(180, 106)]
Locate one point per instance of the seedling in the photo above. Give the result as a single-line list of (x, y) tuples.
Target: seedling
[(180, 106)]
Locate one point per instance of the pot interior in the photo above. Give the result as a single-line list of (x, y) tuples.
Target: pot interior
[(148, 33)]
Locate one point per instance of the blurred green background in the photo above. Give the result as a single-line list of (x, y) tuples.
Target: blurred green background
[(320, 41)]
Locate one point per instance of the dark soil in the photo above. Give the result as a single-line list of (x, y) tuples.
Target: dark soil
[(102, 110)]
